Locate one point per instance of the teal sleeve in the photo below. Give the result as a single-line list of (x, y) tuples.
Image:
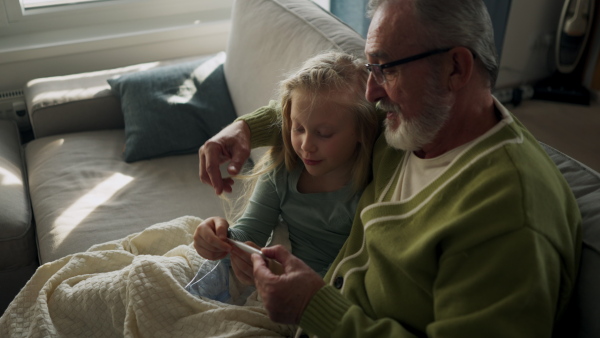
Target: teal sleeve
[(265, 128), (262, 213)]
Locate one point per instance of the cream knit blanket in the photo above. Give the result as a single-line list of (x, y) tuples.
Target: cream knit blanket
[(132, 287)]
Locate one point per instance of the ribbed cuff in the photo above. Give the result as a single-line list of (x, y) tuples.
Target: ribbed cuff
[(264, 125), (324, 312), (238, 235)]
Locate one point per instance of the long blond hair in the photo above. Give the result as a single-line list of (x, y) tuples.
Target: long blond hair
[(331, 71)]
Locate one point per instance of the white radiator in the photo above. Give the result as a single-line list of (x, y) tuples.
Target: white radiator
[(12, 107)]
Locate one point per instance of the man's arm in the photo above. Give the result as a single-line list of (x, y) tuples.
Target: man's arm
[(522, 306), (233, 144), (264, 124)]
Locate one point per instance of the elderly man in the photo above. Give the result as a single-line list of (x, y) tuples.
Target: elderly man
[(467, 229)]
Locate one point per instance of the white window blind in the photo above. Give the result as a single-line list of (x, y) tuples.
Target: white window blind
[(28, 16), (31, 4), (41, 28)]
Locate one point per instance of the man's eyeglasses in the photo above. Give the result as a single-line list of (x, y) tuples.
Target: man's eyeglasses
[(377, 69)]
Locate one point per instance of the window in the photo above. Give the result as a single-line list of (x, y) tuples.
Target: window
[(37, 29), (31, 4), (27, 16)]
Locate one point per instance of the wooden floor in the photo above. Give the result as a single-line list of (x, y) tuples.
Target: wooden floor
[(572, 129)]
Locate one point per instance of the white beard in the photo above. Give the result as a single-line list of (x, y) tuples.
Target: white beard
[(414, 134), (407, 135)]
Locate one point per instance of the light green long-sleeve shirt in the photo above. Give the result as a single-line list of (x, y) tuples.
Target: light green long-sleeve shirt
[(488, 249), (318, 223)]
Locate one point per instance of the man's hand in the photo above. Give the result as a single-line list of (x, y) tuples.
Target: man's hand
[(285, 296), (210, 238), (230, 144)]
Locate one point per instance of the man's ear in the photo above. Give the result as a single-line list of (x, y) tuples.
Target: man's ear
[(463, 62)]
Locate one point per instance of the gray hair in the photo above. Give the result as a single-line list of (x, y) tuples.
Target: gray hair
[(452, 23)]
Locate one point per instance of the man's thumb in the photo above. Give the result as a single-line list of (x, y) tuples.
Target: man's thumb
[(236, 163)]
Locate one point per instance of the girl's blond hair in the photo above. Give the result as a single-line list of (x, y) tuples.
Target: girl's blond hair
[(327, 72)]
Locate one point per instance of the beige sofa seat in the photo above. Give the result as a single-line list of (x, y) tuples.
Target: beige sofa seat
[(83, 193)]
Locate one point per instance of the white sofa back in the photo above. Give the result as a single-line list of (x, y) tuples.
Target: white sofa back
[(270, 38)]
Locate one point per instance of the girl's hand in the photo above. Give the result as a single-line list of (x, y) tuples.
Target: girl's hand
[(210, 238), (242, 264)]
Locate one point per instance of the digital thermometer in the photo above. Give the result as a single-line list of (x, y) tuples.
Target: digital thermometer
[(247, 248), (273, 265)]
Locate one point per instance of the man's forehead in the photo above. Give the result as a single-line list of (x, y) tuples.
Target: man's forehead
[(379, 38), (392, 30)]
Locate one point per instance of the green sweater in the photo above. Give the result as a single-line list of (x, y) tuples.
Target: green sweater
[(488, 249)]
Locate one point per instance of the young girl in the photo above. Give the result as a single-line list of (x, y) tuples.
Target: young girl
[(314, 179)]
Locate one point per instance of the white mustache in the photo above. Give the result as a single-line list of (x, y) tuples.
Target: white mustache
[(388, 107)]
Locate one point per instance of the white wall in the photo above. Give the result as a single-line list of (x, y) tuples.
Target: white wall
[(528, 42)]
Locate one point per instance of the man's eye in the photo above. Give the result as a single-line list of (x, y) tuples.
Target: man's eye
[(389, 72)]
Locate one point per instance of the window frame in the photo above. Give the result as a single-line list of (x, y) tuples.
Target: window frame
[(15, 20)]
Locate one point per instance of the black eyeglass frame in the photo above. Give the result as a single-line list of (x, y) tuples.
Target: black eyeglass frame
[(371, 66)]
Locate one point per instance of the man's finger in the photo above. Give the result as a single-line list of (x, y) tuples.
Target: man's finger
[(213, 156), (277, 252), (235, 166), (203, 175), (259, 265), (228, 184), (241, 151)]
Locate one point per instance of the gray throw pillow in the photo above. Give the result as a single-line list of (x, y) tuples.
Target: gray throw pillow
[(173, 109)]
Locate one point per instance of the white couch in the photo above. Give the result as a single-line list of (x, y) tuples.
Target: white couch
[(70, 188)]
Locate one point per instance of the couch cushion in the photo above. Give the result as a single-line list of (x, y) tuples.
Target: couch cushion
[(585, 184), (270, 38), (79, 102), (173, 109), (83, 193)]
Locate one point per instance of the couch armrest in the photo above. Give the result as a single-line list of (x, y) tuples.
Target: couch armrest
[(79, 102), (17, 244), (18, 250), (73, 103)]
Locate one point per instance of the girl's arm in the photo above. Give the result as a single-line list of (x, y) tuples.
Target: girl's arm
[(255, 225), (261, 214)]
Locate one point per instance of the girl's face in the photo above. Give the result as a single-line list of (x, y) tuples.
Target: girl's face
[(323, 134)]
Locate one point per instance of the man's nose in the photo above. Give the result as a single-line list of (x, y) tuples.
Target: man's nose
[(375, 91)]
